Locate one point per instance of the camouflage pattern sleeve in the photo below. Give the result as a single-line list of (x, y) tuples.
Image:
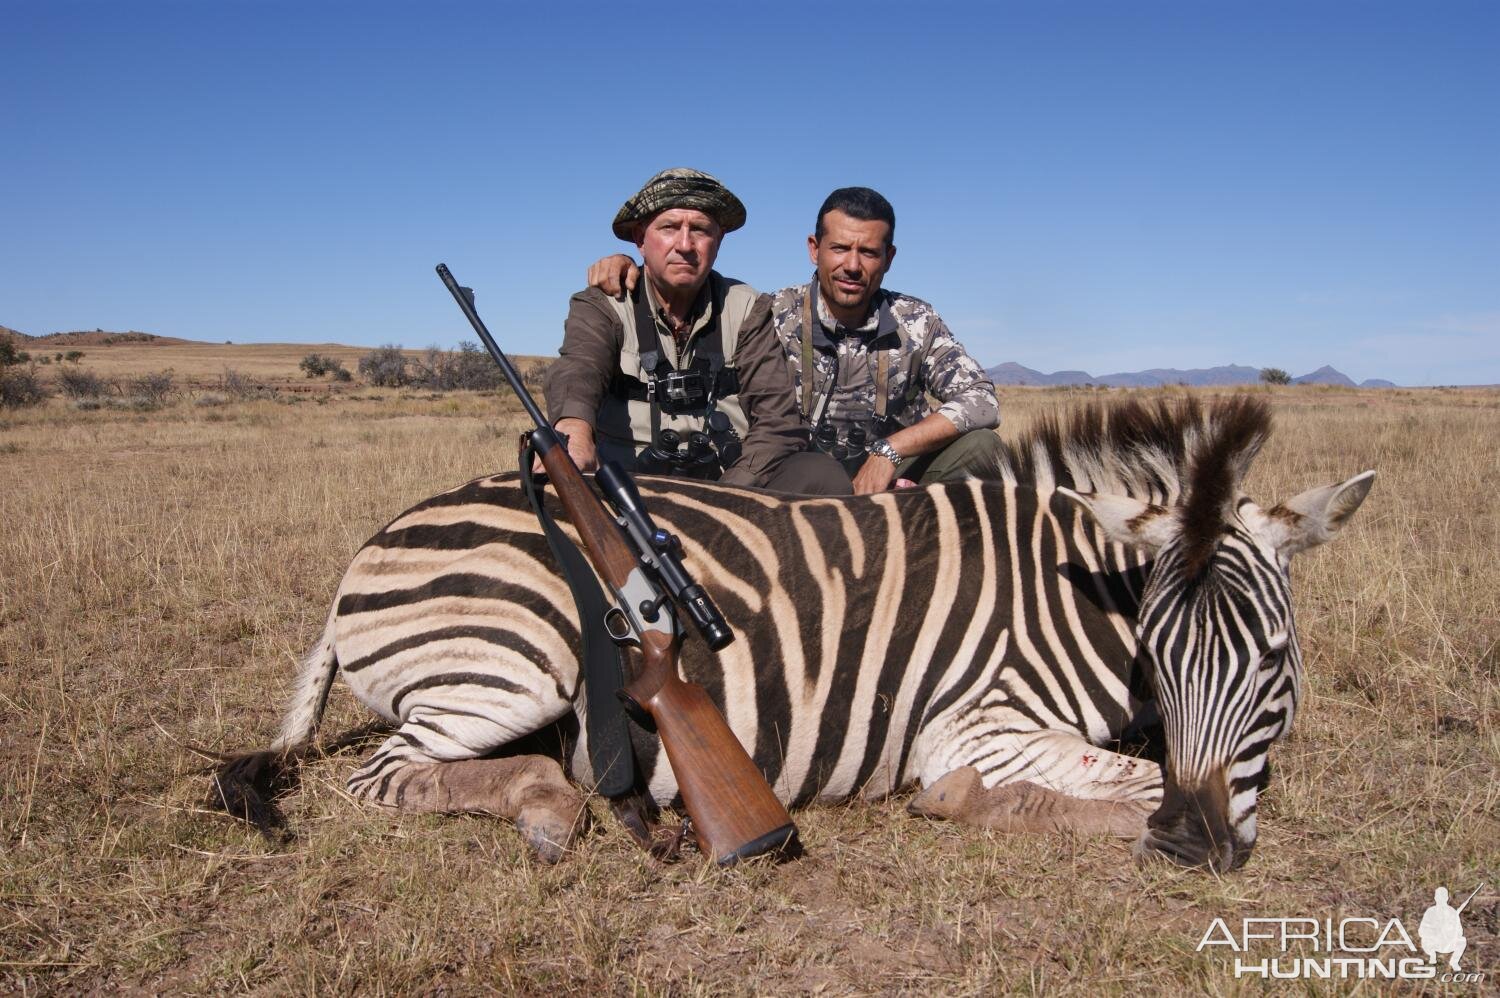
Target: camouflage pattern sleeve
[(590, 352), (959, 383)]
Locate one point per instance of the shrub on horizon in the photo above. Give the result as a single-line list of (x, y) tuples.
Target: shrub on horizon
[(19, 386), (9, 355), (78, 383), (315, 365), (150, 391), (385, 367), (236, 385), (467, 368)]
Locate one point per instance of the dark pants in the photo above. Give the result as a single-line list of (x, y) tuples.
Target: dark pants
[(811, 473)]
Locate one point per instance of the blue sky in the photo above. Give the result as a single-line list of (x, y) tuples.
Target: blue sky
[(1103, 187)]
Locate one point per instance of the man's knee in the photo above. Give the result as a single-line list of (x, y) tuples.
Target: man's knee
[(811, 473), (974, 453)]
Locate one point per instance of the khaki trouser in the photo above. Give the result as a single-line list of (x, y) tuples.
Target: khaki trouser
[(972, 453)]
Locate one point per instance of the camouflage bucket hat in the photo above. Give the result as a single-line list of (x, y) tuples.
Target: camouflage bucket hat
[(680, 187)]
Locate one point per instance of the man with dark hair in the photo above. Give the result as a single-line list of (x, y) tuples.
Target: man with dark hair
[(684, 375), (864, 360)]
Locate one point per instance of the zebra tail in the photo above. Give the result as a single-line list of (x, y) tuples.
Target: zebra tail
[(314, 680), (247, 784)]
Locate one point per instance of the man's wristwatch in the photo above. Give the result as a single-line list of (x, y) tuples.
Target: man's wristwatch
[(883, 448)]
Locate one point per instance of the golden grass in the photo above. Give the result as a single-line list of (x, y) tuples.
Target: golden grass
[(161, 572), (196, 365), (201, 363)]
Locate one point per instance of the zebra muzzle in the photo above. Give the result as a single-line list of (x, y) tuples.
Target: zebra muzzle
[(1192, 827)]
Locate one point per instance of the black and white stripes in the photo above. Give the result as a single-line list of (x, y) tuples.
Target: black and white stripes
[(889, 640)]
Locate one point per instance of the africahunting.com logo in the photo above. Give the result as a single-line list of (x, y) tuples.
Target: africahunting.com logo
[(1344, 948)]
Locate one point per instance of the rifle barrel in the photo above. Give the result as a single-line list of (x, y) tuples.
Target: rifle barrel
[(465, 298)]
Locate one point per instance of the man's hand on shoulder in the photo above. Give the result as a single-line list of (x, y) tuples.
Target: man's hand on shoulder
[(615, 275), (580, 445)]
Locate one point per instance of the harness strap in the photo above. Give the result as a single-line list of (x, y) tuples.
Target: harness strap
[(622, 386), (807, 354), (610, 753), (723, 378), (914, 381)]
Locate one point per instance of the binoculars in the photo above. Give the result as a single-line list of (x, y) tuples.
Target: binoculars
[(853, 447), (694, 456)]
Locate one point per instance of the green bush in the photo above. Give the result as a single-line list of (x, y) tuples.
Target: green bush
[(316, 365), (10, 355)]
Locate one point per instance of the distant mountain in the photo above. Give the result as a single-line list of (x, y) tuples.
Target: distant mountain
[(1011, 373), (1377, 383), (1231, 374), (1325, 375)]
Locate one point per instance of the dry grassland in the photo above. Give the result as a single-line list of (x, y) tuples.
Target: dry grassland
[(196, 366), (201, 364), (161, 572)]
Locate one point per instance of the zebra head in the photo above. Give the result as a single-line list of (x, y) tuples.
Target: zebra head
[(1216, 637)]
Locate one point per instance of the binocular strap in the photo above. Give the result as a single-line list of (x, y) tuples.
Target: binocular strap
[(600, 659)]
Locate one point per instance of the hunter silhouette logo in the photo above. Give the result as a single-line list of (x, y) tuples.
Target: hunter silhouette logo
[(1441, 931), (1350, 947)]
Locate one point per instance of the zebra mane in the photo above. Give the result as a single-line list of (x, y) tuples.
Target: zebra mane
[(1172, 452)]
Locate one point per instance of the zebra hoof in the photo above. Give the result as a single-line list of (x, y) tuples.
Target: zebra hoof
[(548, 831), (949, 797)]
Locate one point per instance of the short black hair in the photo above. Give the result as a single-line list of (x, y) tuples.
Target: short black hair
[(861, 203)]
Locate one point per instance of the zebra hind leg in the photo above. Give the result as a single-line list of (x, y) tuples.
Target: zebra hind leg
[(407, 774)]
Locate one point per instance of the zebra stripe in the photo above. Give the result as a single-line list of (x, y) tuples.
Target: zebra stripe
[(1013, 626)]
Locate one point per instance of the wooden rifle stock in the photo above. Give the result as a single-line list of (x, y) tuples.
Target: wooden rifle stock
[(734, 812)]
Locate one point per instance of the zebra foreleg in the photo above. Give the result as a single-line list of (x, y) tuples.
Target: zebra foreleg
[(529, 790), (1046, 782), (1026, 807)]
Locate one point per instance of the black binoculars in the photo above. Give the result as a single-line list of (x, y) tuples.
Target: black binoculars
[(691, 453), (854, 444)]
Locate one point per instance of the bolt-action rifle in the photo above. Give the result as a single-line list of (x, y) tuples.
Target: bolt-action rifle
[(734, 813)]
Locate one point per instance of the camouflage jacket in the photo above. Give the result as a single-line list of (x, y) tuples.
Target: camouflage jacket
[(921, 359)]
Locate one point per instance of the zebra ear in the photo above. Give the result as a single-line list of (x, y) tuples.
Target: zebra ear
[(1129, 521), (1313, 517)]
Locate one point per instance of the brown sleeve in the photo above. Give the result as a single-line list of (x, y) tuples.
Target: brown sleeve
[(766, 394), (590, 352)]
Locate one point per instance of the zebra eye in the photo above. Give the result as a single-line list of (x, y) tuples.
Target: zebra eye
[(1273, 658)]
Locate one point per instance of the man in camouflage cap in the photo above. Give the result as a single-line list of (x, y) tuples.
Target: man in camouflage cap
[(680, 187), (874, 357), (685, 375)]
